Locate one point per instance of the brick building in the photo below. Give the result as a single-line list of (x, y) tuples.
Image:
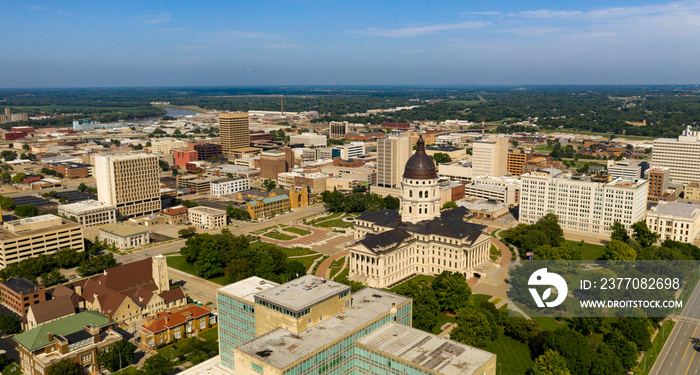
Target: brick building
[(18, 294), (183, 157)]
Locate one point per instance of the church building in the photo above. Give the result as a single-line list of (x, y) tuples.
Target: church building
[(392, 245)]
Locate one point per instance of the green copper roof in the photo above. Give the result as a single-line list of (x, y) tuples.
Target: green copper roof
[(39, 336)]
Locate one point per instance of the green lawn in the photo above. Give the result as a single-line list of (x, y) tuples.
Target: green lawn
[(322, 218), (279, 236), (549, 324), (512, 355), (418, 278), (303, 232), (589, 251), (441, 320), (495, 252), (297, 251), (179, 263), (656, 346), (131, 370), (306, 261), (345, 273), (13, 368), (335, 223), (336, 269), (176, 349), (210, 335)]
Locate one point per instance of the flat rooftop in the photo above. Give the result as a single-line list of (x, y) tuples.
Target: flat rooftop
[(123, 230), (303, 292), (207, 210), (282, 348), (85, 206), (20, 285), (247, 288), (426, 350), (686, 210)]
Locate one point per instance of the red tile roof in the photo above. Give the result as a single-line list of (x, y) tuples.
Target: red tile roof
[(175, 317)]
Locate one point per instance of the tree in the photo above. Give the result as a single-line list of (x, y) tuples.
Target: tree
[(565, 251), (5, 177), (425, 304), (635, 329), (187, 232), (189, 204), (269, 184), (644, 235), (619, 232), (19, 177), (8, 155), (68, 257), (119, 354), (52, 277), (521, 329), (237, 213), (472, 328), (550, 363), (449, 205), (606, 362), (392, 202), (451, 291), (618, 250), (624, 349), (441, 158), (157, 365), (82, 187), (209, 262), (64, 367), (295, 269), (6, 203), (25, 147), (26, 211), (164, 166), (8, 325), (96, 264), (573, 347)]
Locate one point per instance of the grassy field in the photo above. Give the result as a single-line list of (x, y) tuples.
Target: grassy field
[(549, 324), (418, 278), (300, 231), (131, 370), (606, 135), (179, 263), (339, 223), (336, 269), (512, 355), (345, 273), (323, 218), (297, 251), (589, 251), (495, 252), (210, 335), (441, 320), (279, 236), (306, 261), (656, 346)]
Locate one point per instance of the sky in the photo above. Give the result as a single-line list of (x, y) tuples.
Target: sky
[(64, 43)]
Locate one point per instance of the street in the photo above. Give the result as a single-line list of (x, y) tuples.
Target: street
[(678, 354)]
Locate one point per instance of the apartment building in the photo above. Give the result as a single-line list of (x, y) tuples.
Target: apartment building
[(392, 154), (234, 131), (681, 156), (325, 328), (229, 186), (675, 221), (515, 162), (337, 129), (582, 205), (89, 213), (26, 238), (258, 208), (207, 217), (490, 157), (129, 182)]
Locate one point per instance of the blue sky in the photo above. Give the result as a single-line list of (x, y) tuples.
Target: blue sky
[(204, 43)]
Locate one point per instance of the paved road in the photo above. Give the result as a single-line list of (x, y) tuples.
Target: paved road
[(678, 355), (197, 288)]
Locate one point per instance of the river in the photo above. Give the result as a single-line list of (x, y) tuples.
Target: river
[(176, 112)]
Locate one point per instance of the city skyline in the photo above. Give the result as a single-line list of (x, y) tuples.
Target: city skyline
[(50, 44)]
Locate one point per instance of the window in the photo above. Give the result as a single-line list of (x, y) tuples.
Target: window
[(256, 368)]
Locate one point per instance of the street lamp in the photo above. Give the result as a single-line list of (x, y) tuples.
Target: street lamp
[(500, 370)]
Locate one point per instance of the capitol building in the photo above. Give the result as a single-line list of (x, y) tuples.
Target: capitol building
[(392, 245)]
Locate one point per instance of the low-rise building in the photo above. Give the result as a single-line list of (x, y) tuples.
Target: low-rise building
[(675, 221), (207, 217), (48, 311), (124, 236), (691, 191), (29, 237), (500, 189), (71, 170), (309, 139), (627, 168), (258, 208), (200, 182), (229, 186), (176, 323), (175, 215), (79, 337), (19, 294), (460, 171), (89, 213)]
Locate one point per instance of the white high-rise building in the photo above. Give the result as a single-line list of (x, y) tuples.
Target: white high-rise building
[(392, 155), (681, 155), (581, 204), (490, 157), (129, 182)]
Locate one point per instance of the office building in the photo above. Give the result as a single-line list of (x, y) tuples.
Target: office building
[(80, 338), (629, 169), (27, 238), (229, 186), (234, 131), (312, 140), (337, 129), (348, 151), (675, 221), (19, 294), (580, 203), (460, 171), (500, 189), (208, 151), (71, 170), (199, 183), (167, 146), (129, 182), (659, 179), (490, 157), (124, 236), (392, 154), (207, 217), (681, 156), (185, 156), (89, 213), (516, 160), (175, 215), (272, 163)]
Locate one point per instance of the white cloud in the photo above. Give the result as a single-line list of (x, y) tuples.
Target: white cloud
[(158, 18), (418, 30), (489, 13)]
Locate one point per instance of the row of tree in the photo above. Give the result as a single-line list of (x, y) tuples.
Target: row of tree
[(335, 201), (46, 266)]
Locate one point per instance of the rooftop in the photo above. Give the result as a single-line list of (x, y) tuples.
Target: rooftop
[(123, 230), (425, 350), (302, 293), (85, 206), (282, 348), (39, 336), (685, 210), (246, 289), (20, 285), (207, 210)]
